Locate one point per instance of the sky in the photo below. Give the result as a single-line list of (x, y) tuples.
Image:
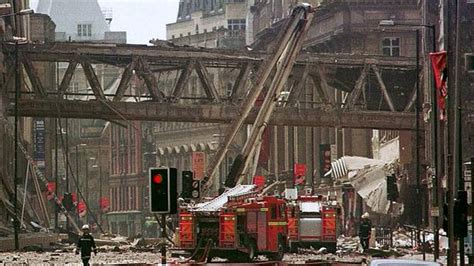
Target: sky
[(143, 20)]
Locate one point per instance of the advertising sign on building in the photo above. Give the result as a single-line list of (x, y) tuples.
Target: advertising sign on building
[(39, 143), (299, 172), (199, 162)]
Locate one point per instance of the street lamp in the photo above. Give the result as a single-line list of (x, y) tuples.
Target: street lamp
[(434, 119), (100, 191), (16, 225)]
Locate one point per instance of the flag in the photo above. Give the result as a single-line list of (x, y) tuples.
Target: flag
[(440, 72)]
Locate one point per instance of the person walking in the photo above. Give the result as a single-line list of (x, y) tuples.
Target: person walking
[(85, 245), (365, 228)]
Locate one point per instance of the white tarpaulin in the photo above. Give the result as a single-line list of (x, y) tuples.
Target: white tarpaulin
[(368, 177)]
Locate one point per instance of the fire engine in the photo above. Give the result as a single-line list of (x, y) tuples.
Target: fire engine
[(312, 222), (241, 222), (240, 227)]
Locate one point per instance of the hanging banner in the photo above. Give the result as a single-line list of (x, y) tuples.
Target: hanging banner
[(50, 190), (104, 204), (199, 162), (81, 208), (440, 72)]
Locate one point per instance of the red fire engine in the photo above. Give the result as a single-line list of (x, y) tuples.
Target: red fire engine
[(242, 228), (312, 222)]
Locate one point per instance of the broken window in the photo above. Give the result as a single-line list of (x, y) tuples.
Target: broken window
[(391, 46)]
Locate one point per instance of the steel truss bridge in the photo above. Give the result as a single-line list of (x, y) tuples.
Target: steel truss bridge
[(340, 82)]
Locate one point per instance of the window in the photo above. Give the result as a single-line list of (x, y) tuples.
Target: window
[(172, 36), (470, 62), (84, 30), (391, 46), (236, 24)]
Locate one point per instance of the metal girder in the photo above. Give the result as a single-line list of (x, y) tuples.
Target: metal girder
[(93, 80), (125, 80), (122, 55), (150, 111), (206, 82), (384, 90), (67, 78), (324, 90), (150, 80), (358, 88), (241, 82), (34, 78), (298, 86), (183, 78)]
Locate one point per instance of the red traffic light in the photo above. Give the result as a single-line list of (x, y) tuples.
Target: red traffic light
[(157, 179)]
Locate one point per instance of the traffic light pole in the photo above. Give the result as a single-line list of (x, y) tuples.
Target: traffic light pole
[(471, 256), (164, 236)]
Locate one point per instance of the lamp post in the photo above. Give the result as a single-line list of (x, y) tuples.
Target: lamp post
[(434, 126), (16, 224), (100, 191)]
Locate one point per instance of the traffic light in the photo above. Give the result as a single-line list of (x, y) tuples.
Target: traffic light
[(187, 181), (196, 189), (392, 188), (460, 214), (163, 190)]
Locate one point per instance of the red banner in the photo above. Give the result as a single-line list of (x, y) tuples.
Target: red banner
[(51, 189), (299, 169), (440, 72), (259, 180), (104, 204)]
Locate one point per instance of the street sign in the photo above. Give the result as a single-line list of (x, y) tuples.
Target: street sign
[(199, 162), (435, 212)]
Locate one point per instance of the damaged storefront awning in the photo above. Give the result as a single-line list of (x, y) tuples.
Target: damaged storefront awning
[(367, 176)]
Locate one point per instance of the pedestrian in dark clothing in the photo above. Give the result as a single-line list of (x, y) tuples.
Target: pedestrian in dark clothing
[(365, 228), (86, 244)]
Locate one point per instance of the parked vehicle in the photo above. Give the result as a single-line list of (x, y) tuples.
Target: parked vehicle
[(312, 222)]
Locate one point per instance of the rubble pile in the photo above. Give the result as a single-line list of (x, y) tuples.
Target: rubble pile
[(347, 244), (401, 239)]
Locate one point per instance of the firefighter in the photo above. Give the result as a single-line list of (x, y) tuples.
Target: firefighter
[(86, 244), (365, 228)]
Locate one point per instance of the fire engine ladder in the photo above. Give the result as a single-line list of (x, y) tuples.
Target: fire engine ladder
[(281, 62)]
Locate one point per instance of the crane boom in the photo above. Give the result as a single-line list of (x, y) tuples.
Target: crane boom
[(280, 63)]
